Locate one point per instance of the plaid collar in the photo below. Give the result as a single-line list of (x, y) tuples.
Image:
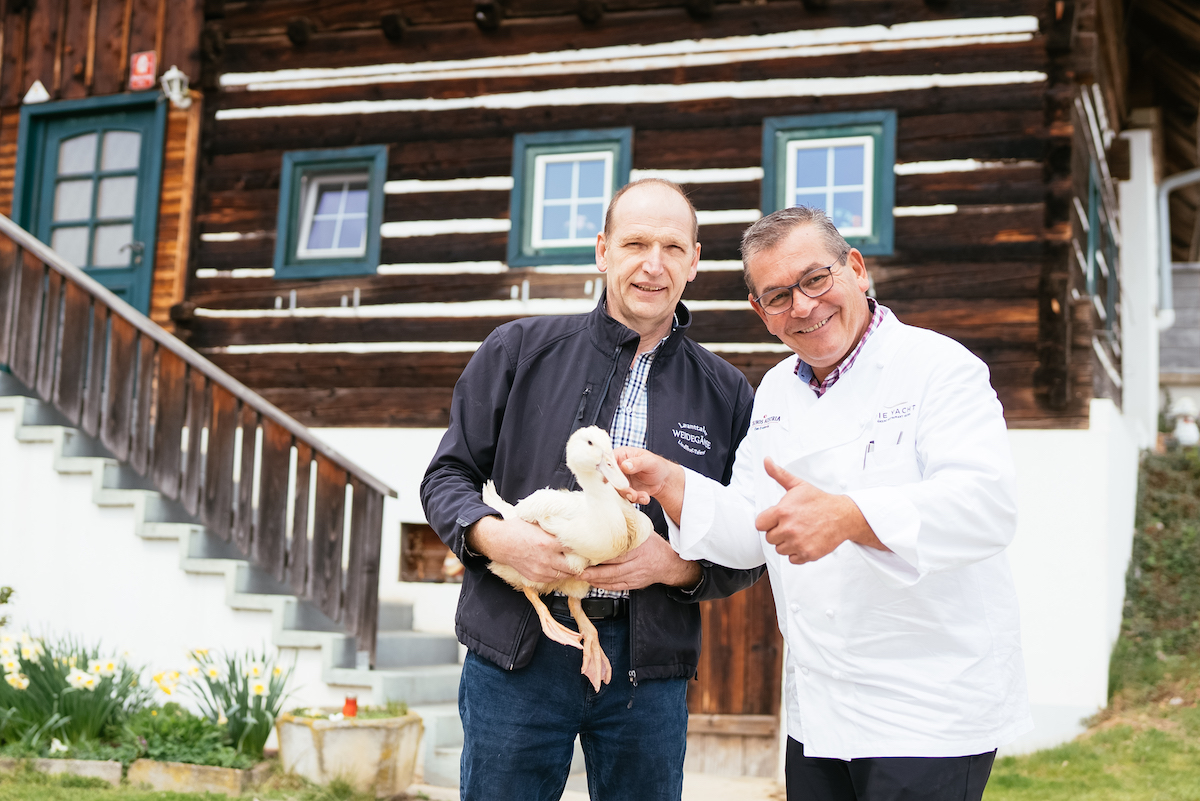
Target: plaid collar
[(805, 372)]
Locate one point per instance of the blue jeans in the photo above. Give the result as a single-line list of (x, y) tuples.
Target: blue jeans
[(519, 727)]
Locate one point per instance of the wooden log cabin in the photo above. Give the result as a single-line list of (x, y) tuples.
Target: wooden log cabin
[(360, 192)]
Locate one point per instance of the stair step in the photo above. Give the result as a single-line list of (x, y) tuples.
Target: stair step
[(395, 616), (409, 648), (428, 684)]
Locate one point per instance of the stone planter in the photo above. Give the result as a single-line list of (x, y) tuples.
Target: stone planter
[(108, 771), (181, 777), (376, 755)]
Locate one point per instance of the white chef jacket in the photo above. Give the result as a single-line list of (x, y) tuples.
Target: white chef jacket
[(912, 653)]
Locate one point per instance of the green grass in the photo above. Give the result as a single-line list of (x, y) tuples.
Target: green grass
[(29, 785), (1142, 747)]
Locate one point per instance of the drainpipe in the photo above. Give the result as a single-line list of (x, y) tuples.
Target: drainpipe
[(1166, 303)]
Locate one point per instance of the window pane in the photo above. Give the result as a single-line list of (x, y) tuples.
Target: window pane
[(558, 179), (591, 179), (848, 165), (116, 197), (589, 220), (810, 168), (320, 236), (329, 198), (73, 200), (353, 230), (107, 247), (356, 199), (77, 154), (814, 200), (121, 150), (847, 209), (71, 244), (556, 222)]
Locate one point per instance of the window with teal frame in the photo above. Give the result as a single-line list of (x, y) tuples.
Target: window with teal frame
[(330, 212), (843, 164), (562, 182), (1103, 284)]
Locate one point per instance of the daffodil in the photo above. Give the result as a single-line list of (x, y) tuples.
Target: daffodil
[(167, 681), (193, 671), (258, 687), (32, 651), (255, 670), (278, 671), (7, 651), (77, 678), (11, 665), (102, 667), (72, 660), (213, 672), (90, 681), (199, 652), (56, 746), (18, 681), (25, 638)]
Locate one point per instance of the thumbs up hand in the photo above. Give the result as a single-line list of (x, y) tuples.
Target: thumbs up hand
[(808, 523)]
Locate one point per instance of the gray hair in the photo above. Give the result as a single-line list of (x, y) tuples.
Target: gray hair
[(663, 182), (776, 226)]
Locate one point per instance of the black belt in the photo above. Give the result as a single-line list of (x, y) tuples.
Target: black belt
[(594, 608)]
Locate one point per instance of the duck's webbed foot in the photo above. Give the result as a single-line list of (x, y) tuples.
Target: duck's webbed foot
[(551, 627), (596, 666)]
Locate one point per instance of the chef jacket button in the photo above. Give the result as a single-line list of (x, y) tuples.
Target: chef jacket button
[(804, 670), (795, 607), (829, 613)]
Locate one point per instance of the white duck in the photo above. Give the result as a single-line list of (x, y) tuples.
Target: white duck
[(594, 524)]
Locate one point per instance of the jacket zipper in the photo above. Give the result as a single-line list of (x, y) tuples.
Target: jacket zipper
[(612, 370), (583, 403)]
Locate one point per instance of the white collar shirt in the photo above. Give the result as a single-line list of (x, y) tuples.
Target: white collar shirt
[(909, 652)]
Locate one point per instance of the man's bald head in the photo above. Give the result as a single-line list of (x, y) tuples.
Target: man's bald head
[(646, 182)]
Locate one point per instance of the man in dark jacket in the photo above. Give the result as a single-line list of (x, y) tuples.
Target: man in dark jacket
[(628, 367)]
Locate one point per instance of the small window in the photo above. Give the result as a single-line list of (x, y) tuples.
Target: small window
[(562, 183), (840, 163), (330, 212)]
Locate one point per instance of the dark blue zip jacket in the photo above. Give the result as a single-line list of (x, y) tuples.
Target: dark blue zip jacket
[(529, 386)]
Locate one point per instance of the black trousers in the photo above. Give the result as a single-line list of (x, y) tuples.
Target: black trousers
[(885, 778)]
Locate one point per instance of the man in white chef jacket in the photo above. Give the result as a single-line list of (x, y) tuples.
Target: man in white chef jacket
[(877, 486)]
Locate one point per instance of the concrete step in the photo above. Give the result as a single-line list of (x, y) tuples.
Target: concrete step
[(394, 649)]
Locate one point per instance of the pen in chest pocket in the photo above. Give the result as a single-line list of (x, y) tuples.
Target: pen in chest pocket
[(867, 452)]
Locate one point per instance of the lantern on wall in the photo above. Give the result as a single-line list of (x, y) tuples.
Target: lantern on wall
[(175, 87)]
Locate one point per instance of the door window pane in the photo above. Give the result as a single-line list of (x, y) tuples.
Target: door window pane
[(71, 244), (77, 155), (121, 150), (116, 197), (110, 247), (73, 200)]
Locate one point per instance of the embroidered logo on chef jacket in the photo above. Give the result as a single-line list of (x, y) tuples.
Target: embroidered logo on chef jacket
[(764, 422), (692, 438), (897, 412)]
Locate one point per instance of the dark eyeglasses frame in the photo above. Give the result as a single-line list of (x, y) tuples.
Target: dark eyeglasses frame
[(800, 285)]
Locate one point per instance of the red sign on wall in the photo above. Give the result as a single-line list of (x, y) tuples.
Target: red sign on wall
[(142, 68)]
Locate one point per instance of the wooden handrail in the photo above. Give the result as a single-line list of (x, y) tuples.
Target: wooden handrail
[(290, 504), (151, 329)]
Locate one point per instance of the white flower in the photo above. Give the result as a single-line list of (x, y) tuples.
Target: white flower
[(31, 651), (56, 746), (25, 638), (256, 670), (11, 665), (90, 681), (167, 680), (258, 687), (6, 638), (336, 716), (7, 651), (18, 681), (213, 672), (76, 678), (102, 667), (193, 671)]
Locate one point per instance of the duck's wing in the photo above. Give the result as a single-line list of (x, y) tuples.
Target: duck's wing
[(492, 498), (556, 511)]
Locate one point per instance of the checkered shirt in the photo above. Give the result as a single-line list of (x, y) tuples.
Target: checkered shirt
[(629, 424), (805, 373)]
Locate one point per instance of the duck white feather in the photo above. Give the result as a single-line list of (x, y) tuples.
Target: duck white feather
[(593, 524)]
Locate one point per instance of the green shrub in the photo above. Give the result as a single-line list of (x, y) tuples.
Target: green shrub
[(62, 690), (242, 691), (5, 594), (172, 734)]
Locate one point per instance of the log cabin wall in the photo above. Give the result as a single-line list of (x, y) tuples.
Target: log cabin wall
[(983, 185), (81, 49)]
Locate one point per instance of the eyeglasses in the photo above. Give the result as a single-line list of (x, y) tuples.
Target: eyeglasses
[(813, 284)]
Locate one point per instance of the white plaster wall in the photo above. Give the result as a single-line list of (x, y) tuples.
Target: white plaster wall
[(79, 569), (1076, 495)]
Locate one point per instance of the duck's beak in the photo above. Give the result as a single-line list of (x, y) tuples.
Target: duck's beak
[(608, 469)]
